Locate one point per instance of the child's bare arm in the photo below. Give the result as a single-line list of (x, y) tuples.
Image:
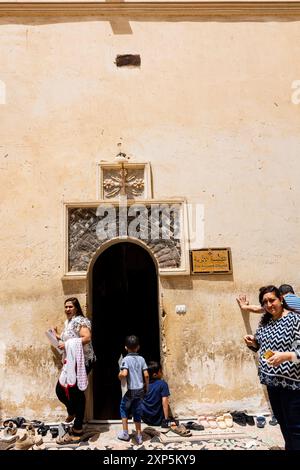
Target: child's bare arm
[(123, 373), (245, 307), (165, 405), (146, 378)]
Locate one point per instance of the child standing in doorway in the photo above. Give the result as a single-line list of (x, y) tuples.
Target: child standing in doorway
[(134, 368)]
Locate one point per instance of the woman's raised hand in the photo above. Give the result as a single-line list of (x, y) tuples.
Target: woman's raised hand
[(250, 341)]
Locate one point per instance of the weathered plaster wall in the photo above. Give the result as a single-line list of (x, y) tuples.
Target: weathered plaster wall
[(211, 109)]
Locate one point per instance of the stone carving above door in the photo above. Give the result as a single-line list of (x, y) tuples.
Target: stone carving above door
[(132, 180), (168, 245)]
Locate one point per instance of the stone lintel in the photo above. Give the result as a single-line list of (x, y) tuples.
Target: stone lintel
[(156, 10)]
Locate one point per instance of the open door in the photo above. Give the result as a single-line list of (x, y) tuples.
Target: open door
[(125, 301)]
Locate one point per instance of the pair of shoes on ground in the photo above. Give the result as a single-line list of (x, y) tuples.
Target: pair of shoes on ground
[(241, 418), (222, 421)]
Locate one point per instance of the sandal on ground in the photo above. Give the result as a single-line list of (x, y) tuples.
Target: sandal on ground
[(194, 426), (180, 430), (151, 431), (68, 439), (212, 422), (221, 422), (202, 420), (228, 420), (18, 421), (10, 428)]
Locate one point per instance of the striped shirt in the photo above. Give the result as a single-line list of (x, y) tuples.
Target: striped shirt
[(280, 335), (293, 302)]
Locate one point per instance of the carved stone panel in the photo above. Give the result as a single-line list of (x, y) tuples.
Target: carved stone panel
[(162, 239), (132, 180), (123, 181)]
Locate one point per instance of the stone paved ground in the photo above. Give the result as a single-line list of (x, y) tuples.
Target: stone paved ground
[(103, 437)]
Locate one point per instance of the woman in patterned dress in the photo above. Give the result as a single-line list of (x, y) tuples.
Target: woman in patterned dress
[(76, 326), (279, 333)]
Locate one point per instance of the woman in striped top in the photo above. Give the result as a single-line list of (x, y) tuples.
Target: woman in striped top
[(279, 332)]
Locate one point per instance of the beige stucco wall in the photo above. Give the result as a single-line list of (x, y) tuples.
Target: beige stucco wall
[(211, 109)]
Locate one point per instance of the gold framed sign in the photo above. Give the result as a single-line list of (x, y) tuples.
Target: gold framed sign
[(211, 261)]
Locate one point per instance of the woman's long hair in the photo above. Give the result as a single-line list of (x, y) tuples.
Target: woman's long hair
[(267, 317), (76, 304)]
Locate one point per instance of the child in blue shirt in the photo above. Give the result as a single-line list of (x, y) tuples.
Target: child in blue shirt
[(134, 368), (155, 405)]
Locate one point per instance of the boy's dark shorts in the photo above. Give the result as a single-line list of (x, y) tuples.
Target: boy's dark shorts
[(131, 404)]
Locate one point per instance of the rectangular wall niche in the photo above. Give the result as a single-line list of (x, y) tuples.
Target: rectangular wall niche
[(160, 225), (128, 60)]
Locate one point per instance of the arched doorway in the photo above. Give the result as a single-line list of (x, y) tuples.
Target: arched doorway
[(124, 291)]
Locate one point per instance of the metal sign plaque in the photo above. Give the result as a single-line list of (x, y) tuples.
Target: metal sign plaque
[(211, 261)]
